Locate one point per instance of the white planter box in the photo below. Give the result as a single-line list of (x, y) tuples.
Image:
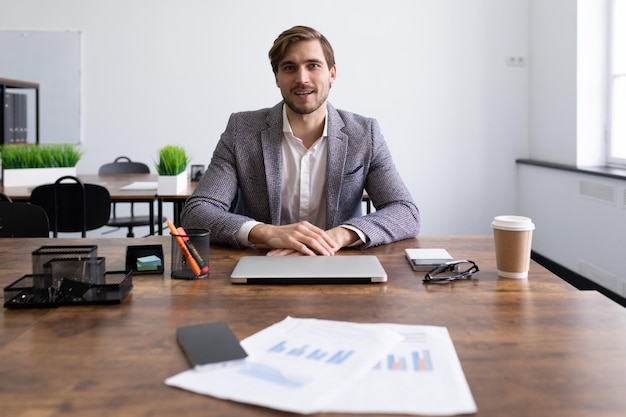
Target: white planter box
[(172, 184), (30, 177)]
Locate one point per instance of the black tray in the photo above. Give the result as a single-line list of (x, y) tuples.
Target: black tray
[(40, 291), (139, 251), (46, 253)]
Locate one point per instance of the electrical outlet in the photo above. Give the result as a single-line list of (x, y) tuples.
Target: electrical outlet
[(516, 61)]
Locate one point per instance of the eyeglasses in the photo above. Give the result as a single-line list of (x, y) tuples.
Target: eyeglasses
[(452, 271)]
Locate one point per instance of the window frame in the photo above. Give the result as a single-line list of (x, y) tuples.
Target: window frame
[(612, 76)]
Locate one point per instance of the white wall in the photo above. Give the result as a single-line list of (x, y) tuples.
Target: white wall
[(580, 222), (567, 79), (553, 81), (433, 72), (580, 217)]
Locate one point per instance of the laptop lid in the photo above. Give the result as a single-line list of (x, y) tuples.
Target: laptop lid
[(308, 270)]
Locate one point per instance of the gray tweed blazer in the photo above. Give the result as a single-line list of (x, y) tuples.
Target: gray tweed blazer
[(243, 179)]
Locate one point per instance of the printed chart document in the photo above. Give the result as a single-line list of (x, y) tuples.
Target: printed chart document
[(422, 375), (296, 365), (307, 366)]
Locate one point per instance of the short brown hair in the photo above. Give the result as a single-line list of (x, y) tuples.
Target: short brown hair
[(297, 34)]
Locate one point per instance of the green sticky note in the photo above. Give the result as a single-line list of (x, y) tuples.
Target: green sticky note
[(148, 263)]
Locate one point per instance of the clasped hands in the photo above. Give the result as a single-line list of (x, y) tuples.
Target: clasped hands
[(302, 238)]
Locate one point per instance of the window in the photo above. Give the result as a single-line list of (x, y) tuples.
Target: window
[(617, 86)]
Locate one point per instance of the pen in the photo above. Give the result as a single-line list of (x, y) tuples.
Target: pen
[(190, 260), (204, 268)]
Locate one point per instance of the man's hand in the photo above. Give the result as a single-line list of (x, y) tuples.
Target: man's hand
[(291, 239), (342, 236)]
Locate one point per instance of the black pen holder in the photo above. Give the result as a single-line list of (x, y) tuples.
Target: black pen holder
[(190, 254)]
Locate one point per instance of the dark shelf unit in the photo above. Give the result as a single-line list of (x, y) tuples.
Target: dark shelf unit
[(5, 84)]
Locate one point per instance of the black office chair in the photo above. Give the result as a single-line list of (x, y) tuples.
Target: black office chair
[(123, 165), (4, 197), (73, 206), (22, 220)]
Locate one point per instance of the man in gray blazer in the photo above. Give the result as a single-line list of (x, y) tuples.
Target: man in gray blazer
[(291, 178)]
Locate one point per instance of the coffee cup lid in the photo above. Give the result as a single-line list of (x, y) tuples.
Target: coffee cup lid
[(512, 223)]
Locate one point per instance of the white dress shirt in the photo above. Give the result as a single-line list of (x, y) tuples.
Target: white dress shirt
[(303, 183)]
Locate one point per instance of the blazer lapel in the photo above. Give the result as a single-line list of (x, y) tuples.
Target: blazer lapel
[(337, 153), (271, 140)]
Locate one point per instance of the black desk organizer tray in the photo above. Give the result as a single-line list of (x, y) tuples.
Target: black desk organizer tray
[(68, 275), (133, 253)]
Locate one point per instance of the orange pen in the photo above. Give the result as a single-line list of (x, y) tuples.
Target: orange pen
[(204, 268), (192, 262)]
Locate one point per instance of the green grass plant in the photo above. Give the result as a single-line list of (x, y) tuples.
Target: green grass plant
[(39, 156), (173, 160)]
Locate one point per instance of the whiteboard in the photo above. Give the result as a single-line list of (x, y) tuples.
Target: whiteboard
[(51, 59)]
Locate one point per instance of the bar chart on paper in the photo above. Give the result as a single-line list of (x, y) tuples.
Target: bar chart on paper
[(314, 354), (415, 361), (409, 357), (310, 355), (303, 352)]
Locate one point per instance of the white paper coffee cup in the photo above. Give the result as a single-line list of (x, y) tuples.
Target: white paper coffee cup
[(513, 239)]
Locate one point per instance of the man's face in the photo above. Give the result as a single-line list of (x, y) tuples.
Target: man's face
[(304, 78)]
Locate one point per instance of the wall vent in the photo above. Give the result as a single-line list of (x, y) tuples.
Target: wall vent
[(597, 274), (598, 191)]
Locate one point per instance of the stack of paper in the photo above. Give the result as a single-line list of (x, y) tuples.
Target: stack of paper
[(308, 365)]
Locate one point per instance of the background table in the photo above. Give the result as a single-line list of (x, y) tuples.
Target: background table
[(535, 347), (114, 184)]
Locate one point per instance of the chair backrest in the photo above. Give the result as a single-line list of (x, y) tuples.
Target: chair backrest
[(74, 206), (123, 165), (23, 220), (4, 197)]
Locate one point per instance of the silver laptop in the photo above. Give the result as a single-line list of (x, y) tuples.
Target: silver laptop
[(308, 270)]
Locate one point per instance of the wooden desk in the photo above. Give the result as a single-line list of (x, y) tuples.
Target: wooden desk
[(535, 347)]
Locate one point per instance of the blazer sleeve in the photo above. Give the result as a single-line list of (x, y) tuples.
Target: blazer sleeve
[(211, 204), (397, 216)]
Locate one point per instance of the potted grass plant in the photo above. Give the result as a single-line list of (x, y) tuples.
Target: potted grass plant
[(172, 170), (30, 165)]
